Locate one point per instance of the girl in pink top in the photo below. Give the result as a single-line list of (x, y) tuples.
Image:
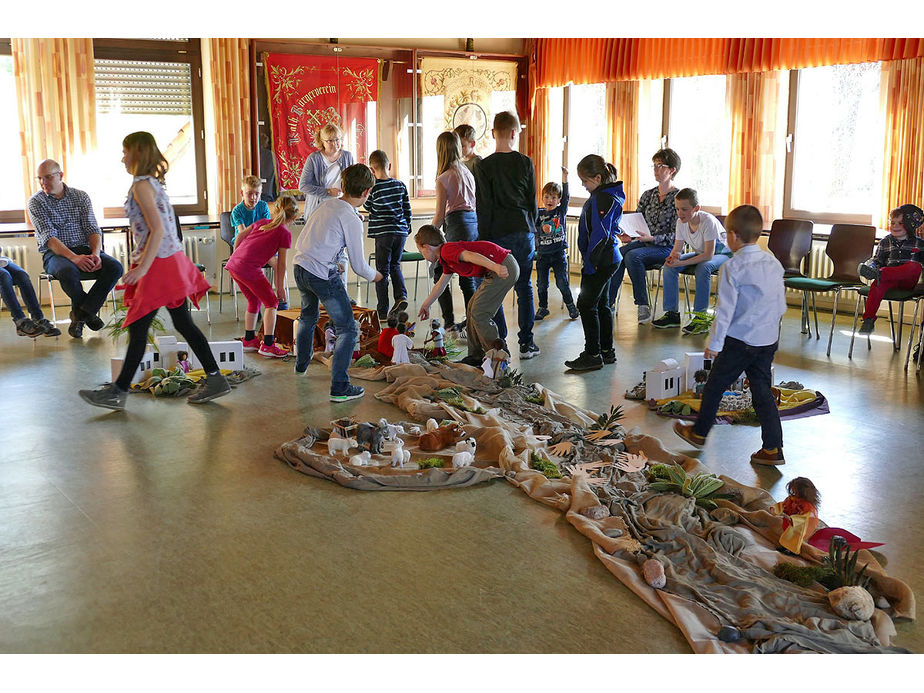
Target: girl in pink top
[(266, 238)]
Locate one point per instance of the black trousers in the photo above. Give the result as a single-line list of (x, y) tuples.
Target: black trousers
[(596, 315)]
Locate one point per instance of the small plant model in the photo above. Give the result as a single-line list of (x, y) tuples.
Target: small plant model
[(843, 566), (431, 462), (534, 397), (676, 407), (702, 487), (511, 378), (164, 383), (453, 397), (700, 321), (115, 328), (365, 361), (547, 468), (608, 421), (802, 575)]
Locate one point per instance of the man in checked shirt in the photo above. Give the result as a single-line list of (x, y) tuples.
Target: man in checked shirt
[(71, 242)]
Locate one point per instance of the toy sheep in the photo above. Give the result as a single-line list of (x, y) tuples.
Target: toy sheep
[(467, 445), (336, 446), (414, 431), (400, 456), (391, 430), (370, 437), (462, 459), (442, 437), (432, 425), (361, 459)]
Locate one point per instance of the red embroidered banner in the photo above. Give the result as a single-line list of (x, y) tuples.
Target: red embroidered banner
[(306, 92)]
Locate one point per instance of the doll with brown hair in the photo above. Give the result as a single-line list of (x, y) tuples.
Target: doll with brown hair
[(801, 513)]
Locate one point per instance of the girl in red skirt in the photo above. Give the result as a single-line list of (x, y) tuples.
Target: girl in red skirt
[(160, 275), (265, 239)]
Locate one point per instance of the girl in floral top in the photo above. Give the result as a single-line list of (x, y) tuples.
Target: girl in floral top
[(647, 252), (160, 275)]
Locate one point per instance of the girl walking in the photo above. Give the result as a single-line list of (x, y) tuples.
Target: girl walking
[(160, 275)]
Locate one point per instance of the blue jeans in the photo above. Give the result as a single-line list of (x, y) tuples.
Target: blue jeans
[(69, 275), (388, 249), (637, 257), (14, 275), (521, 246), (461, 225), (557, 263), (703, 277), (737, 356), (332, 295)]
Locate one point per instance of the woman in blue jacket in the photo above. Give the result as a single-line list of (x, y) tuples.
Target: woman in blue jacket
[(599, 246)]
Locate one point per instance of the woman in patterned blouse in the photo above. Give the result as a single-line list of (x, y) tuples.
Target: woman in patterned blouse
[(647, 252)]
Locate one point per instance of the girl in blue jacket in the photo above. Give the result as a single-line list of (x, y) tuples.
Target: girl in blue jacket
[(599, 246)]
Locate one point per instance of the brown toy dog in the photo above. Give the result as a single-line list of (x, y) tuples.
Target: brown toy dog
[(444, 436)]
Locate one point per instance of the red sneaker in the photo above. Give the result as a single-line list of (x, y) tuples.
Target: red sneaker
[(252, 344), (272, 351)]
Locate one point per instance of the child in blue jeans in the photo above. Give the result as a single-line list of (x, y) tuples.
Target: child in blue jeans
[(12, 275), (551, 243)]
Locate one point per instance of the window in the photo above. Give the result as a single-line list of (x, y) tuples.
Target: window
[(836, 136), (154, 86), (556, 129), (586, 118), (12, 190), (700, 133), (650, 116)]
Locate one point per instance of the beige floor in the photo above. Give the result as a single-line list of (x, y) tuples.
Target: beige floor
[(171, 528)]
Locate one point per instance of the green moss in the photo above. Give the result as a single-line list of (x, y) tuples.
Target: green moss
[(547, 468), (431, 462), (802, 575)]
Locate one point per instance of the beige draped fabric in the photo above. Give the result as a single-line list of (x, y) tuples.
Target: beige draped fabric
[(228, 124), (757, 131), (903, 162), (622, 135), (56, 104)]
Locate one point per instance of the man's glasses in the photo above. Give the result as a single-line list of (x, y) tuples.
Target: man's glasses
[(49, 177)]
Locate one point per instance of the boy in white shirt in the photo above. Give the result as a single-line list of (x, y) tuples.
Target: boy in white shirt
[(333, 226), (704, 234), (744, 335)]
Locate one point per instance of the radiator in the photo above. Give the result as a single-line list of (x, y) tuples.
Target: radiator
[(199, 247), (17, 253)]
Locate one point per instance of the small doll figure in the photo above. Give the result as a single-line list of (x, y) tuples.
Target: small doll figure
[(699, 379), (403, 317), (330, 338), (182, 360), (385, 337), (401, 343), (495, 359), (359, 334), (801, 513), (437, 334)]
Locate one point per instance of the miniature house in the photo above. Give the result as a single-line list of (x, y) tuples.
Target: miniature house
[(229, 355), (664, 380), (144, 368)]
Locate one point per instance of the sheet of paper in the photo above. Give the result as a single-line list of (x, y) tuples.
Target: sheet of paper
[(633, 224)]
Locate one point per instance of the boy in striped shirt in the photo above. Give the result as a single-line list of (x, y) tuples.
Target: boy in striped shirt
[(389, 210)]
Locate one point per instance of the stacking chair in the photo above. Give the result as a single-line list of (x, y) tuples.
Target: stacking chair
[(791, 242), (416, 258), (51, 279), (848, 246), (901, 296), (919, 326), (199, 266), (652, 281)]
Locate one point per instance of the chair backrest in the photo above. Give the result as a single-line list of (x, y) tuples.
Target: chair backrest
[(226, 230), (790, 242), (848, 246), (721, 218)]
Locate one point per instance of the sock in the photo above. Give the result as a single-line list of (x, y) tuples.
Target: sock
[(216, 372), (250, 335), (268, 339)]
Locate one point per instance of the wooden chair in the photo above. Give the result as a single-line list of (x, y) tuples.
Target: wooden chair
[(848, 246), (791, 242)]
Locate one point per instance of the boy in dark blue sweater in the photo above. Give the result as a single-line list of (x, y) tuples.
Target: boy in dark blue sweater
[(551, 244)]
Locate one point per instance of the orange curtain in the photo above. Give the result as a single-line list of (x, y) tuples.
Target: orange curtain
[(228, 125), (903, 163), (622, 133), (754, 106), (539, 138), (56, 104)]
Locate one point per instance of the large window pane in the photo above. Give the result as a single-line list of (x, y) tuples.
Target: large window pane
[(837, 148), (700, 134), (556, 143), (152, 96), (650, 115), (586, 125), (11, 192)]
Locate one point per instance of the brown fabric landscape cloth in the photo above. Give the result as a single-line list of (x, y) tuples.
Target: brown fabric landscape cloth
[(717, 564)]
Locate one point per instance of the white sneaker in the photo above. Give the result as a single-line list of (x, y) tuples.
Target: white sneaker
[(644, 314)]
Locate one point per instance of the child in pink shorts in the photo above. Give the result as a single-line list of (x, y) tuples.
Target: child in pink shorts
[(267, 237)]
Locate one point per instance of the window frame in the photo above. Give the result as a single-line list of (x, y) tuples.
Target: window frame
[(10, 215), (169, 51)]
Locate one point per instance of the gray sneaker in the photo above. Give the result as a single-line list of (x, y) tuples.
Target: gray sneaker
[(215, 385), (644, 314), (108, 396), (26, 328), (48, 328)]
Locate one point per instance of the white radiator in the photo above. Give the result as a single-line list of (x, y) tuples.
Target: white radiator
[(199, 247), (18, 253)]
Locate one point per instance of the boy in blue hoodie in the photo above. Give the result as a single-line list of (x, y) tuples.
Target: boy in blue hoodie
[(551, 245)]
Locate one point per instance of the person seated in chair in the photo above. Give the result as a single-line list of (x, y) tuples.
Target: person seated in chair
[(71, 243)]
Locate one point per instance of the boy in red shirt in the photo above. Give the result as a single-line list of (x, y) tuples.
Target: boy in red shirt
[(495, 264), (384, 346)]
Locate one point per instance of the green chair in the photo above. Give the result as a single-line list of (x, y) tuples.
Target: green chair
[(848, 246), (416, 258), (901, 296)]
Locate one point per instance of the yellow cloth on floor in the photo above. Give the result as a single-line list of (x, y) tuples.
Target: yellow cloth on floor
[(789, 399)]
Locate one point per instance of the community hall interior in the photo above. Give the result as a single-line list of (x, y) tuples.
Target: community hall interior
[(176, 528)]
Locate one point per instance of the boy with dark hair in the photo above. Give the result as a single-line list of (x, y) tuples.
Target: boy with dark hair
[(466, 135), (505, 191), (495, 265), (389, 224), (744, 335), (552, 244), (333, 226)]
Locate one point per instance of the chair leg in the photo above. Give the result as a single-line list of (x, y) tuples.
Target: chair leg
[(686, 293), (806, 329), (237, 315), (221, 285), (853, 333), (901, 322), (51, 298), (892, 325), (416, 278), (208, 308), (815, 312), (657, 292), (914, 322), (833, 317)]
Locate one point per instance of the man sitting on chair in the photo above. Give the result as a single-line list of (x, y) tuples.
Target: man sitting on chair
[(70, 242)]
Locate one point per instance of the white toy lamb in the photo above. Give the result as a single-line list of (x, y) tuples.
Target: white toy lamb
[(391, 430), (466, 445), (400, 456), (361, 459), (337, 446), (462, 459), (432, 425)]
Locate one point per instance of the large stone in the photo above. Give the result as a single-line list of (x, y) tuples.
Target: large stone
[(853, 603)]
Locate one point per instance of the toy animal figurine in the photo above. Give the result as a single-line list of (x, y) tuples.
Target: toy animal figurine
[(330, 338), (432, 425), (391, 430), (442, 437), (414, 431), (370, 437), (400, 456), (337, 446), (361, 459), (462, 459), (467, 445)]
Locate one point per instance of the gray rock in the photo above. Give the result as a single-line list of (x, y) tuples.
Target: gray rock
[(853, 603)]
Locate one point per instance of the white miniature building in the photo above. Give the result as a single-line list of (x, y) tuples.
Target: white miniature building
[(229, 355), (664, 380), (144, 368)]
